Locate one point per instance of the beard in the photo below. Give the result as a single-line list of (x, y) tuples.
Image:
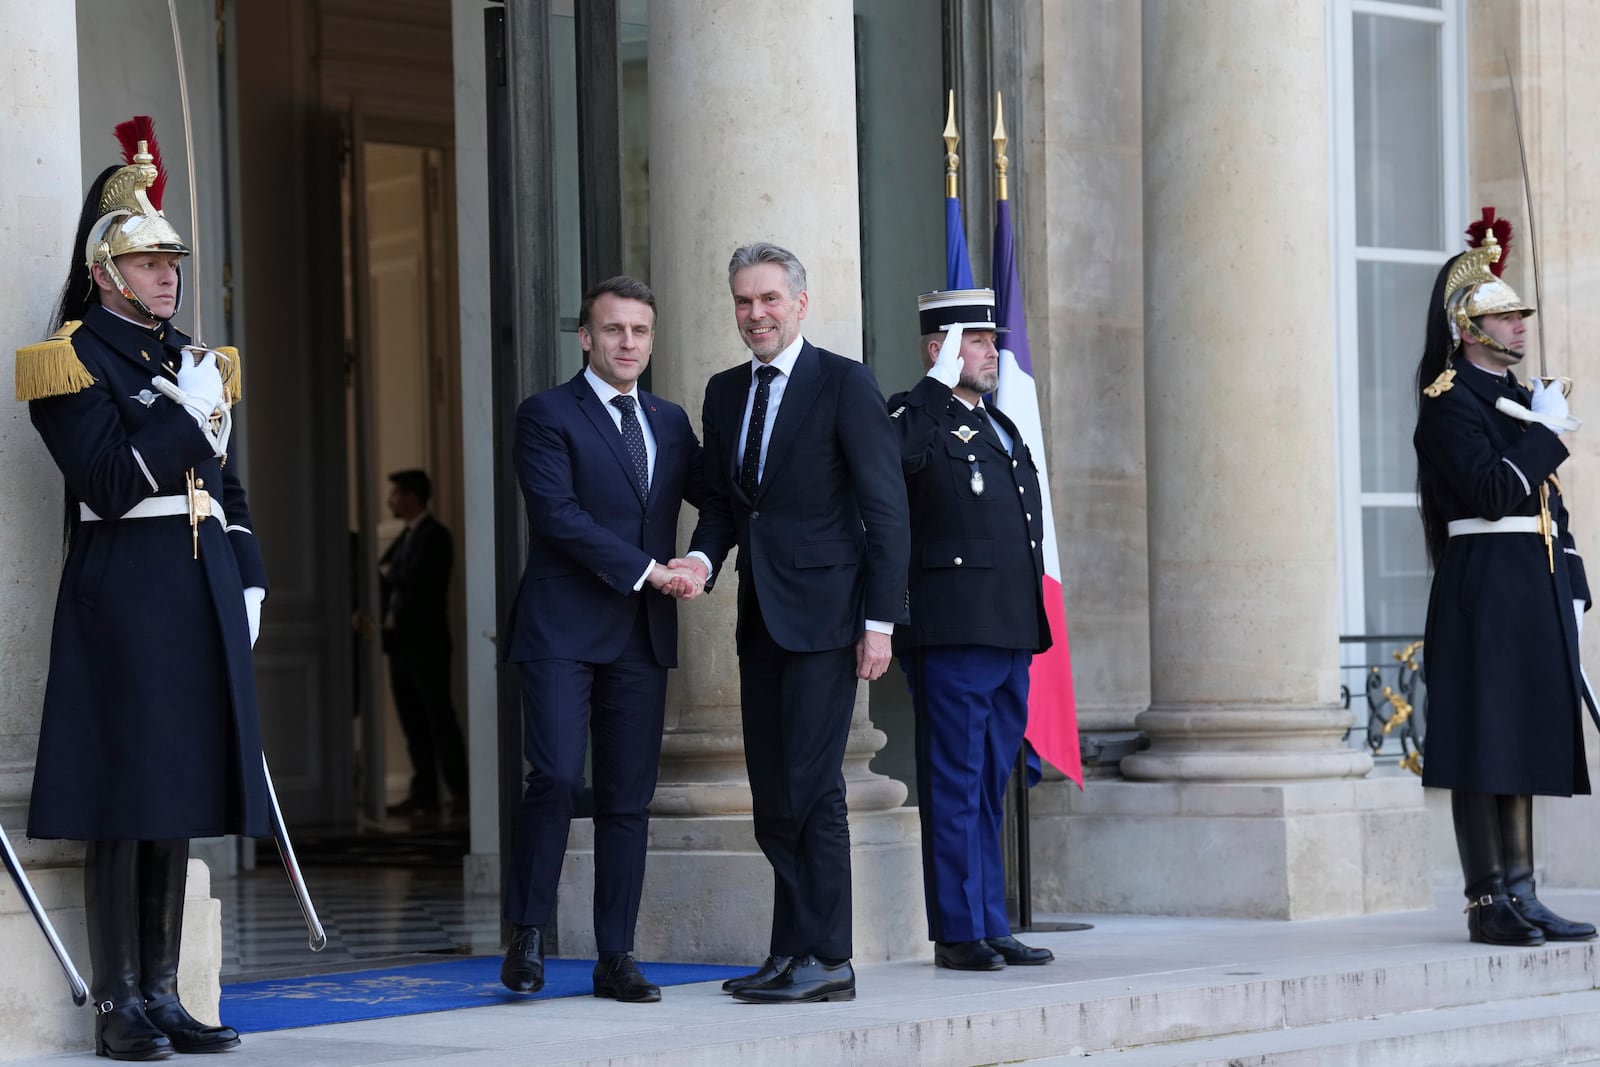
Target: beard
[(982, 382)]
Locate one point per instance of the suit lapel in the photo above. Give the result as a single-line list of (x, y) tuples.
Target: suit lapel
[(647, 411), (589, 403), (799, 394)]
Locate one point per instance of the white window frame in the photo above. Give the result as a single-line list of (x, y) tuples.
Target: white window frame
[(1348, 255)]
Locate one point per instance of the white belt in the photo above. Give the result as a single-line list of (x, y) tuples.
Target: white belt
[(1509, 524), (155, 507)]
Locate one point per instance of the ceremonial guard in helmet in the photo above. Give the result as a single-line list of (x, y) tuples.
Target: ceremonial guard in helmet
[(1505, 693), (149, 734), (977, 614)]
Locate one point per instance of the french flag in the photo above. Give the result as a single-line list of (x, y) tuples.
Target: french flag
[(1052, 709)]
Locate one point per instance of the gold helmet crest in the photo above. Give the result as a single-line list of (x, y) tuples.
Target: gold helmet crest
[(130, 208)]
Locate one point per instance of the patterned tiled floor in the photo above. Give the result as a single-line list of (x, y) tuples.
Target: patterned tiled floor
[(369, 913)]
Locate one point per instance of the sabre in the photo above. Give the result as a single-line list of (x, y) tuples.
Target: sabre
[(280, 833), (80, 992), (1527, 193), (188, 144)]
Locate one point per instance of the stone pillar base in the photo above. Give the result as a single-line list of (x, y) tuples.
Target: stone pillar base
[(1256, 850), (37, 1015), (708, 890)]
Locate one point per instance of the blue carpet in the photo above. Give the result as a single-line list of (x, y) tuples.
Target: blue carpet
[(283, 1003)]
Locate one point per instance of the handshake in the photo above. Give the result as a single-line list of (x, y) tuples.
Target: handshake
[(683, 578)]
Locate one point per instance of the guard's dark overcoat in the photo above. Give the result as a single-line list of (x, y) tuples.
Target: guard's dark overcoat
[(977, 559), (150, 729), (1504, 710)]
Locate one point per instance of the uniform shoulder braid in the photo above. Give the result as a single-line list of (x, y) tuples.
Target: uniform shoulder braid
[(1442, 384), (51, 367)]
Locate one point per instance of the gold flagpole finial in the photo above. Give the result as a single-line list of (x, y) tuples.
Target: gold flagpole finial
[(951, 139), (1001, 163)]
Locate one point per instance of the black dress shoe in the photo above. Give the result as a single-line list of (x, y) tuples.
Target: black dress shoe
[(523, 970), (1492, 920), (805, 981), (1553, 926), (414, 806), (1016, 954), (768, 971), (967, 956), (126, 1033), (618, 978)]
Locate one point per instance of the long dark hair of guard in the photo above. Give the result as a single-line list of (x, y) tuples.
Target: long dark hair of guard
[(77, 296), (1436, 350)]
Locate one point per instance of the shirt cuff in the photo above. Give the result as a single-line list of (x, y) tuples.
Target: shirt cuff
[(880, 627), (642, 578), (703, 558)]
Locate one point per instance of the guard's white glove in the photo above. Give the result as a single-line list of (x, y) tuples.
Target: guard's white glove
[(947, 367), (200, 392), (1577, 612), (253, 596), (1550, 403)]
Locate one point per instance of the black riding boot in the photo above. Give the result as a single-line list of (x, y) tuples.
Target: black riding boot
[(1491, 918), (1516, 837), (122, 1031), (163, 868)]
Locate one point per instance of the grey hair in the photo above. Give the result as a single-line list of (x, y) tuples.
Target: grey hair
[(766, 252)]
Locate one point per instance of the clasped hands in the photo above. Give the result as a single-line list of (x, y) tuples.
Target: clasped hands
[(683, 578)]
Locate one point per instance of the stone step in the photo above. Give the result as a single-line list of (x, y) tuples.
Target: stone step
[(1533, 1031)]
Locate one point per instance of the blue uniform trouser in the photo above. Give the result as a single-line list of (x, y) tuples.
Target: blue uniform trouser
[(971, 707)]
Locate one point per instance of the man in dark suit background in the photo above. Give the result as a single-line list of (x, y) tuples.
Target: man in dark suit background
[(977, 618), (803, 475), (414, 583), (604, 469)]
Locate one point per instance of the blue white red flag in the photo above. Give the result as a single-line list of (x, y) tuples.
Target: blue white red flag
[(957, 264), (1052, 708)]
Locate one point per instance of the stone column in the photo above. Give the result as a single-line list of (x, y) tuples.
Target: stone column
[(752, 137), (1248, 794), (1081, 217), (39, 201)]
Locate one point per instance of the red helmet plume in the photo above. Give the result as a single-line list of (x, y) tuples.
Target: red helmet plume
[(129, 134), (1501, 228)]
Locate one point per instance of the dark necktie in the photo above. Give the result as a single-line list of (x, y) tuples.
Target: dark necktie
[(633, 438), (750, 468)]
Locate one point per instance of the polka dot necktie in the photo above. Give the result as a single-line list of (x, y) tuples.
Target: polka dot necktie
[(633, 437), (750, 468)]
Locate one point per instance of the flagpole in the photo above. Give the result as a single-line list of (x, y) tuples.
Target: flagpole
[(951, 139), (1019, 775)]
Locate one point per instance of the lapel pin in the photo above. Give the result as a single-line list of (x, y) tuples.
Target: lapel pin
[(964, 433)]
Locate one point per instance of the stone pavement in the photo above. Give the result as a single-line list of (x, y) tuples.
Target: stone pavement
[(1137, 991)]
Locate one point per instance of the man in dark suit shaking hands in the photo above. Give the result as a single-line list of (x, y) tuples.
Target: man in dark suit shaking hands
[(803, 476), (604, 468)]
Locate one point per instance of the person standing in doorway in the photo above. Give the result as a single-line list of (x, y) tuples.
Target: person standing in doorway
[(414, 585)]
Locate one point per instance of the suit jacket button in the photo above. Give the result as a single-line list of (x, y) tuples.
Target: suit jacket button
[(755, 514), (958, 561), (1022, 489), (1033, 544)]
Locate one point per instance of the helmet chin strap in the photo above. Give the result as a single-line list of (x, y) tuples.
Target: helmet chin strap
[(1474, 331), (109, 264)]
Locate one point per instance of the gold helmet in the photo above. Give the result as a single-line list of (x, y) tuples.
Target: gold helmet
[(1474, 288), (130, 218)]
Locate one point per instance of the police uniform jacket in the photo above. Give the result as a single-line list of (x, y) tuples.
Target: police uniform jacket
[(977, 561), (150, 727), (1504, 705)]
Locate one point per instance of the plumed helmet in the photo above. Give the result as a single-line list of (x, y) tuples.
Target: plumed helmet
[(130, 218)]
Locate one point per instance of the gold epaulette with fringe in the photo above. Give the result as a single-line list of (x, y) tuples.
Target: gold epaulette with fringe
[(51, 367), (1442, 384), (233, 376)]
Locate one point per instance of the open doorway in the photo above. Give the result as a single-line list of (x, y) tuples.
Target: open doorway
[(402, 414)]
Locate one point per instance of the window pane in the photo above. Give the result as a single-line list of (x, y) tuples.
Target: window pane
[(1399, 131), (1396, 571), (1392, 303)]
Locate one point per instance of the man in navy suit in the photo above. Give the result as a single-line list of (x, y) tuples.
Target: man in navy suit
[(604, 467), (802, 474)]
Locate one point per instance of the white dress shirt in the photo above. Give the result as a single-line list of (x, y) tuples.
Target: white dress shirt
[(606, 392)]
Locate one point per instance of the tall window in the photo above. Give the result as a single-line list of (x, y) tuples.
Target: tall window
[(1399, 213)]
